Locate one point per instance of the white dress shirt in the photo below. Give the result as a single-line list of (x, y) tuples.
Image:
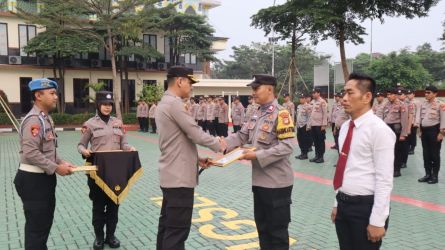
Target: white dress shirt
[(370, 165)]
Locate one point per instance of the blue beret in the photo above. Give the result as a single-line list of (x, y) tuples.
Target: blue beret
[(43, 83)]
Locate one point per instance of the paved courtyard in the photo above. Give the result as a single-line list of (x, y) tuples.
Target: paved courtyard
[(223, 214)]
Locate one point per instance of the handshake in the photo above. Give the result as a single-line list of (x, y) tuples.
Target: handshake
[(206, 162)]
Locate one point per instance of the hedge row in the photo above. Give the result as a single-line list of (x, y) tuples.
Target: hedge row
[(75, 119)]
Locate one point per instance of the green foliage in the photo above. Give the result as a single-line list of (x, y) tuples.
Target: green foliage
[(433, 61), (151, 93), (4, 119), (403, 67), (5, 98)]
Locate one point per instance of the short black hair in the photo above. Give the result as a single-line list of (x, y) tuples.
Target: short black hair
[(365, 84)]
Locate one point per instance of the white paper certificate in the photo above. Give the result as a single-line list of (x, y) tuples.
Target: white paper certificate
[(233, 156)]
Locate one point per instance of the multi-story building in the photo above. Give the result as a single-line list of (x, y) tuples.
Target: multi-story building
[(18, 68)]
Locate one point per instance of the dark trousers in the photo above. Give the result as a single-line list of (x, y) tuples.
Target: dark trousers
[(175, 218), (401, 147), (236, 128), (153, 125), (304, 139), (222, 128), (105, 211), (143, 124), (272, 216), (37, 192), (215, 126), (412, 138), (319, 138), (333, 127), (210, 127), (352, 221), (337, 133), (203, 125), (431, 150)]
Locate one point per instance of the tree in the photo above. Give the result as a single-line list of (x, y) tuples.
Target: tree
[(151, 93), (289, 23), (404, 67), (361, 63), (187, 33), (340, 19), (432, 61), (56, 42)]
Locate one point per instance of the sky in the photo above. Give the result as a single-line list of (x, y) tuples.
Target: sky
[(232, 20)]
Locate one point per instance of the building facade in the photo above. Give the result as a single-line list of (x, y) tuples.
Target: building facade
[(18, 68)]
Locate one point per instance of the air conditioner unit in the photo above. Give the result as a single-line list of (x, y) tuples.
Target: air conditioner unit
[(162, 66), (96, 63), (15, 60)]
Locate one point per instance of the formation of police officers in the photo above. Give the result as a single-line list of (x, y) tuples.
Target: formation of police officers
[(265, 125)]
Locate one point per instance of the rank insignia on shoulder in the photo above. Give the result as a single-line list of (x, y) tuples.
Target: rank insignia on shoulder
[(285, 126), (35, 129), (270, 109)]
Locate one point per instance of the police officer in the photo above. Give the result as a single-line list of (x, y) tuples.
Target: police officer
[(35, 180), (401, 92), (340, 118), (209, 115), (237, 114), (151, 116), (431, 118), (105, 133), (379, 104), (178, 164), (201, 116), (395, 114), (317, 124), (194, 108), (215, 116), (413, 106), (223, 117), (270, 130), (289, 105), (335, 108), (304, 110)]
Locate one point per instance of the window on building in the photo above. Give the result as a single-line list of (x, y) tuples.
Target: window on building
[(189, 58), (200, 7), (26, 33), (167, 49), (81, 93), (151, 40), (108, 84), (3, 39)]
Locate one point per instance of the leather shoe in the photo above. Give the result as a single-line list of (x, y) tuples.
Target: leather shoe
[(403, 165), (335, 165), (310, 149), (98, 244), (313, 159), (397, 174), (334, 147), (433, 180), (426, 178), (302, 157), (113, 242), (319, 160)]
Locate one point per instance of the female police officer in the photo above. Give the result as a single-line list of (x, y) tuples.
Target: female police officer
[(104, 133)]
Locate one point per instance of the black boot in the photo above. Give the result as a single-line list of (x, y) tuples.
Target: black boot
[(319, 160), (302, 157), (112, 241), (403, 165), (426, 178), (98, 243), (314, 159), (397, 173), (434, 178), (411, 152)]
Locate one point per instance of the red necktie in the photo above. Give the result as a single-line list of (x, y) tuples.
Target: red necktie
[(341, 163)]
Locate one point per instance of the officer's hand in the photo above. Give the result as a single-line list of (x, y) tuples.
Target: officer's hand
[(323, 128), (308, 128), (204, 162), (439, 137), (132, 149), (222, 143), (375, 234), (333, 214), (402, 138), (248, 155), (86, 152), (64, 169)]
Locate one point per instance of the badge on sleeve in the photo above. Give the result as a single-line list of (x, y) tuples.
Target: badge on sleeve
[(285, 125), (84, 129), (35, 129)]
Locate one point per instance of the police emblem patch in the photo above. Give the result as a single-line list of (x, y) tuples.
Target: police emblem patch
[(117, 188), (270, 109), (35, 129), (265, 127)]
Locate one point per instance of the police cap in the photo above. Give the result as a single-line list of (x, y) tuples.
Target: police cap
[(179, 71), (392, 91), (316, 90), (380, 94), (104, 97), (40, 84), (262, 79)]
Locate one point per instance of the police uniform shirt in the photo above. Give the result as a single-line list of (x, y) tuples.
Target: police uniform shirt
[(194, 110), (378, 108), (209, 112), (38, 141), (201, 112), (103, 136), (290, 106), (178, 136), (270, 130), (369, 167), (397, 113), (335, 108), (341, 117), (142, 110), (249, 111), (238, 114), (303, 114), (223, 116), (319, 115), (151, 112), (431, 113)]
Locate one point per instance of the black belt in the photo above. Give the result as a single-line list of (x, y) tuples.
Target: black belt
[(435, 127), (355, 199)]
